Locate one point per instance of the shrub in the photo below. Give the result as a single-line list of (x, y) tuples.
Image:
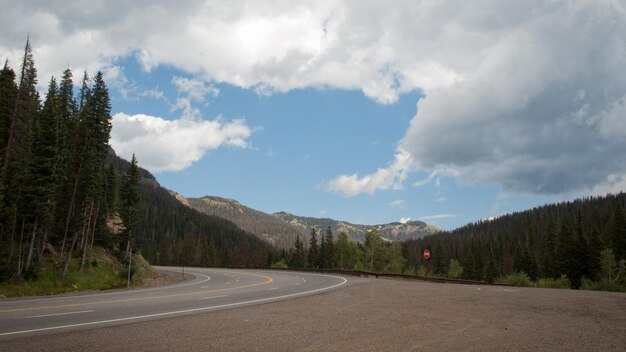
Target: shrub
[(562, 282), (281, 264), (602, 285), (455, 269), (518, 279)]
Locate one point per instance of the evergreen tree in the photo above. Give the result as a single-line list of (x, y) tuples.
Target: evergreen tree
[(329, 241), (129, 198), (492, 272), (593, 249), (313, 256), (523, 262), (549, 265), (297, 260), (618, 233), (322, 261), (439, 262)]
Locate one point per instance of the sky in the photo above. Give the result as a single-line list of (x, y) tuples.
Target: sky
[(371, 112)]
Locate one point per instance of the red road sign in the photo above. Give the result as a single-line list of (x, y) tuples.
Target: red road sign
[(426, 254)]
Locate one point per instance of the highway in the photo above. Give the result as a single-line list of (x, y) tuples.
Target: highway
[(209, 290)]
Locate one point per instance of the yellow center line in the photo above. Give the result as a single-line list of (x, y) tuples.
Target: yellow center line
[(267, 281)]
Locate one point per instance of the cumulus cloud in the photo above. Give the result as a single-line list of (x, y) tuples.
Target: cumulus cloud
[(163, 145), (404, 220), (528, 94), (542, 112), (390, 177), (267, 46)]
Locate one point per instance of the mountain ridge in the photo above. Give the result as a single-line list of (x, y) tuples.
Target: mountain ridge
[(392, 232), (282, 228)]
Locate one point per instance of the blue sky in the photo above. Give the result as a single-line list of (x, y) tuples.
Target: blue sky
[(370, 112), (304, 138)]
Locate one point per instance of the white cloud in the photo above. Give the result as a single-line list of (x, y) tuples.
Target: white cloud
[(390, 177), (404, 220), (543, 110), (194, 89), (162, 145), (400, 203), (437, 216), (526, 94)]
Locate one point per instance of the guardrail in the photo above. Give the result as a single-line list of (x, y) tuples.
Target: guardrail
[(385, 275)]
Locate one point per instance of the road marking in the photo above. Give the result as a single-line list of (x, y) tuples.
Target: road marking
[(205, 286), (212, 297), (273, 288), (143, 298), (228, 283), (179, 311), (298, 284), (55, 314)]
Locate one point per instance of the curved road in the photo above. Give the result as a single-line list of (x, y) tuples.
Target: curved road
[(210, 289)]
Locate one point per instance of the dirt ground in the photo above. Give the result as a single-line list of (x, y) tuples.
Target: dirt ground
[(377, 315)]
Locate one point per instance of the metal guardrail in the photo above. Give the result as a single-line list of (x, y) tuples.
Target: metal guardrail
[(384, 275)]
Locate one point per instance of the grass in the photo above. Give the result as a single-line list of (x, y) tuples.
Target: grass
[(102, 272)]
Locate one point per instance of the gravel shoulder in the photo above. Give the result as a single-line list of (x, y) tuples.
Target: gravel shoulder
[(377, 315)]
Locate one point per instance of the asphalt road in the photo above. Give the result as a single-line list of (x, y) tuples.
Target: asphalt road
[(209, 290)]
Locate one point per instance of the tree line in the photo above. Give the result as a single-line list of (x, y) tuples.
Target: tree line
[(55, 187), (60, 183), (578, 244)]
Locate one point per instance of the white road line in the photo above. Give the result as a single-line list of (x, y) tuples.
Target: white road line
[(273, 288), (205, 286), (211, 297), (179, 311), (55, 314), (298, 284)]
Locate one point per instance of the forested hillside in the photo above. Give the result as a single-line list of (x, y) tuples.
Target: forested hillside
[(267, 227), (59, 184), (585, 238), (172, 233)]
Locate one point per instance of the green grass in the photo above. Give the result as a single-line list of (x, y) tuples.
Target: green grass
[(100, 273)]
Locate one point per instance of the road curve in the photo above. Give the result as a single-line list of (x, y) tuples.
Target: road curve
[(210, 289)]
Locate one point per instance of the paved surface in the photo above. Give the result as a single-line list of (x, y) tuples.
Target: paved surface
[(375, 315), (209, 290)]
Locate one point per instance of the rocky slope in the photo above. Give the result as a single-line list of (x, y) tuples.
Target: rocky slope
[(281, 229), (394, 231), (265, 226)]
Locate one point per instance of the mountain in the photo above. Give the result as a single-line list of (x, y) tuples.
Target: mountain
[(282, 228), (173, 232), (267, 227), (392, 232)]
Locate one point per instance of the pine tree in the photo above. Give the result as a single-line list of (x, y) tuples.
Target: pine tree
[(618, 234), (297, 260), (129, 199), (322, 261), (439, 262), (15, 175), (329, 241), (313, 255)]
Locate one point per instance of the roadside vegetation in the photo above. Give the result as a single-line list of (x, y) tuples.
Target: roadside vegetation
[(104, 271)]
